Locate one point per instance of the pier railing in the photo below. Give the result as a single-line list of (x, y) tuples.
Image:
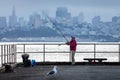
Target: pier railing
[(59, 52), (8, 54)]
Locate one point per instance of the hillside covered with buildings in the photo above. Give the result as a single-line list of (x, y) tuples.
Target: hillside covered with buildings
[(40, 28)]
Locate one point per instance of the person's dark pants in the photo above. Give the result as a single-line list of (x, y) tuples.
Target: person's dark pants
[(26, 62)]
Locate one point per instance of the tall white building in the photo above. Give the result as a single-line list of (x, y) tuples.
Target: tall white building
[(35, 20), (80, 18), (13, 19), (61, 12), (22, 22), (96, 20), (3, 22)]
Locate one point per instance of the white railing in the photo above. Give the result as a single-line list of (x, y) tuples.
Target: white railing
[(8, 54), (59, 52)]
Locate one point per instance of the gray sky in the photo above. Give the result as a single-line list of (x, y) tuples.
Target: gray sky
[(104, 8)]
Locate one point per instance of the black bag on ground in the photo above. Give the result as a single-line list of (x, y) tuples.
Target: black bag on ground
[(8, 68)]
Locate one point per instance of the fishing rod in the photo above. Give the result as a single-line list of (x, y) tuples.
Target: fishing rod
[(58, 29)]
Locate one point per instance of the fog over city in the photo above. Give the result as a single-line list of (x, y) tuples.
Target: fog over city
[(104, 8), (52, 20)]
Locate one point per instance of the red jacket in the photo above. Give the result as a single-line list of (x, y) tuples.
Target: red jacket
[(72, 44)]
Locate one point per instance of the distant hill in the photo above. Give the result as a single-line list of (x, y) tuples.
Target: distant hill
[(36, 32)]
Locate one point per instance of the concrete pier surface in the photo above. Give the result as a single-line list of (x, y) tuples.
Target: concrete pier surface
[(65, 72)]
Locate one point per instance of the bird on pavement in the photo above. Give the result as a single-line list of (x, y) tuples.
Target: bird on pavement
[(53, 71)]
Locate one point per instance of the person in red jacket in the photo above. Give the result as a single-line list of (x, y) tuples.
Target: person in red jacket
[(73, 46)]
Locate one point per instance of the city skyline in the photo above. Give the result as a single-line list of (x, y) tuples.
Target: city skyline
[(24, 8)]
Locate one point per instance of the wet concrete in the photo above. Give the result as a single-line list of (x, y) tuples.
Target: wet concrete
[(65, 72)]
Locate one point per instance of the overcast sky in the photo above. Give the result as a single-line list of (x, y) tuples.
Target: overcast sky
[(24, 8)]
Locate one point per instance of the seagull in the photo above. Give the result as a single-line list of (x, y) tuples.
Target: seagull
[(53, 71)]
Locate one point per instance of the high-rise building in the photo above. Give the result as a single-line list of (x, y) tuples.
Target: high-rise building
[(75, 20), (35, 20), (81, 18), (96, 20), (3, 22), (22, 22), (68, 19), (13, 19), (115, 19), (68, 16), (61, 12)]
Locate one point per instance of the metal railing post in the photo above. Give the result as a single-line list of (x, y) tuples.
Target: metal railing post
[(11, 53), (94, 51), (119, 52), (23, 48), (15, 55), (4, 54), (1, 54), (7, 53), (43, 52)]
